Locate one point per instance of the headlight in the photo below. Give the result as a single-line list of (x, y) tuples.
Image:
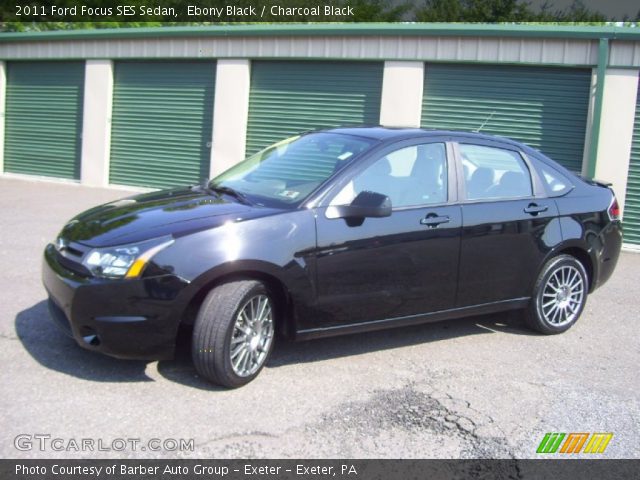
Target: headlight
[(124, 261)]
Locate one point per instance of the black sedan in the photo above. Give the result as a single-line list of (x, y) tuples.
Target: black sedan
[(334, 232)]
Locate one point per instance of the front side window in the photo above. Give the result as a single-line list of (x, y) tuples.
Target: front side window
[(494, 173), (415, 175), (287, 172)]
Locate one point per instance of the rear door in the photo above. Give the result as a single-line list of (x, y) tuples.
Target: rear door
[(161, 130), (506, 230), (288, 97), (542, 106), (44, 118)]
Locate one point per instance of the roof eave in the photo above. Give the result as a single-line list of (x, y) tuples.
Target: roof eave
[(333, 29)]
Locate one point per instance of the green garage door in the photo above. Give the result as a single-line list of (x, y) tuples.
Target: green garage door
[(541, 106), (632, 200), (161, 123), (290, 97), (44, 118)]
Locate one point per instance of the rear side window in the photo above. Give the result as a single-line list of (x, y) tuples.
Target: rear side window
[(494, 173), (556, 183)]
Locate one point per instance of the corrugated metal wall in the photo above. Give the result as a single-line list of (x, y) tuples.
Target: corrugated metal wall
[(544, 107), (288, 98), (548, 51), (632, 201), (162, 123), (44, 102)]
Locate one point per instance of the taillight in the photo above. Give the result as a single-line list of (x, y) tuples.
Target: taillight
[(614, 210)]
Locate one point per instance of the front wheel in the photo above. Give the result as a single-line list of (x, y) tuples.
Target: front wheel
[(559, 296), (233, 333)]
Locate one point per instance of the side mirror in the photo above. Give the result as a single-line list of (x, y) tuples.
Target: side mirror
[(365, 205)]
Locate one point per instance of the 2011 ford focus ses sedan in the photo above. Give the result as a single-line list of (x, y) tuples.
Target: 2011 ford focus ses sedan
[(334, 232)]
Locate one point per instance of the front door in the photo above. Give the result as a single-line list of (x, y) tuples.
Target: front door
[(398, 266)]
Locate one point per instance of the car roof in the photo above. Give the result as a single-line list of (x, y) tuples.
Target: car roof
[(402, 133)]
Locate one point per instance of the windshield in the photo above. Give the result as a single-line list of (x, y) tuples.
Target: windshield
[(287, 172)]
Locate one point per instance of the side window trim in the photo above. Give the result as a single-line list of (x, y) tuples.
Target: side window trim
[(537, 188), (460, 179), (354, 170), (453, 195)]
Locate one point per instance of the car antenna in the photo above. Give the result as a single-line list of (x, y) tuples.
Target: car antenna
[(485, 122)]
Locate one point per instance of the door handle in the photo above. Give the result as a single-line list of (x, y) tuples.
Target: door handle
[(432, 220), (535, 209)]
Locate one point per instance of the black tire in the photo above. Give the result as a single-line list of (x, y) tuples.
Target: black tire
[(544, 313), (214, 329)]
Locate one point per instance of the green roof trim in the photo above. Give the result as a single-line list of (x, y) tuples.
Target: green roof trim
[(337, 29)]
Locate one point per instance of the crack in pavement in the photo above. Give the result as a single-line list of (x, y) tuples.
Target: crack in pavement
[(404, 419), (416, 412)]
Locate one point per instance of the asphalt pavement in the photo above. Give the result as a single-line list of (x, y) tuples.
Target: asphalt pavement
[(477, 387)]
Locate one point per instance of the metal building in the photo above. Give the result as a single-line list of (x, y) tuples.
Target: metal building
[(167, 106)]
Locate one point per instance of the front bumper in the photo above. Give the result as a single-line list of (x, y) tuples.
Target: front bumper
[(133, 318)]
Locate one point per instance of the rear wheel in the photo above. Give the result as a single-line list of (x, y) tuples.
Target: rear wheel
[(233, 333), (559, 297)]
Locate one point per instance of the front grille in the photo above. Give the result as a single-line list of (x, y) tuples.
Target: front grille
[(70, 257)]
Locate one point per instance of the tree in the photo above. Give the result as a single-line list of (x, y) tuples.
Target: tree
[(364, 11), (502, 11), (484, 11), (378, 10)]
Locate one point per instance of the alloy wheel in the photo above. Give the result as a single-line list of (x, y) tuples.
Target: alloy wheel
[(562, 296), (252, 336)]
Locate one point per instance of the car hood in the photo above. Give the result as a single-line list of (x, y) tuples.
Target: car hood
[(174, 212)]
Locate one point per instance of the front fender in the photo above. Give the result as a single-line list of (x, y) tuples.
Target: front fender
[(278, 246)]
